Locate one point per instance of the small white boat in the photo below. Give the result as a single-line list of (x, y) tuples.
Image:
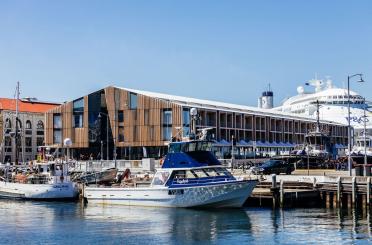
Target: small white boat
[(50, 182), (190, 176)]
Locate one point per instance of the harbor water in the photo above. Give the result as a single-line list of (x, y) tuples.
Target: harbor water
[(75, 223)]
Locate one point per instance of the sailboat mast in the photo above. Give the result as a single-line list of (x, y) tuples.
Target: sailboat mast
[(16, 123)]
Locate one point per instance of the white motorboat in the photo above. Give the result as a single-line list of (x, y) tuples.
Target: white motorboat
[(50, 181), (190, 176)]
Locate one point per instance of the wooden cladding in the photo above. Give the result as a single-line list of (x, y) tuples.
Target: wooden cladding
[(142, 124), (79, 136)]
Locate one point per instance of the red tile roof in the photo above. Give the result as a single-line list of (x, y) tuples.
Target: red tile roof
[(26, 106)]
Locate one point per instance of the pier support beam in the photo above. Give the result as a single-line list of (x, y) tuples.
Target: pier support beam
[(353, 191), (328, 201), (274, 190), (348, 199), (338, 197), (281, 194)]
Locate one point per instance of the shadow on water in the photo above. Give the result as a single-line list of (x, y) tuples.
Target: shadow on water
[(72, 223)]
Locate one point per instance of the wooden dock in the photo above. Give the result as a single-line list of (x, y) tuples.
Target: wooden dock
[(313, 191)]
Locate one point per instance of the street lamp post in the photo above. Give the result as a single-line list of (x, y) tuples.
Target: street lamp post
[(365, 133), (107, 136), (349, 125)]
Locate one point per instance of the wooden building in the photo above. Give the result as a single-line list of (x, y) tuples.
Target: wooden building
[(138, 124)]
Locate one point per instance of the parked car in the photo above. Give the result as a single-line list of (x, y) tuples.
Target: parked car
[(274, 167)]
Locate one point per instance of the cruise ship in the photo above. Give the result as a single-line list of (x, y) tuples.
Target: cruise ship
[(333, 105)]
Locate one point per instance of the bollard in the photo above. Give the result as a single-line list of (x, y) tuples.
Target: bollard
[(338, 192), (281, 194), (353, 191)]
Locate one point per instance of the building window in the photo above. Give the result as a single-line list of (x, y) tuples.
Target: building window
[(39, 141), (28, 127), (121, 134), (40, 128), (121, 116), (28, 141), (40, 125), (167, 124), (28, 124), (186, 121), (57, 136), (132, 101), (78, 113), (8, 123), (8, 141), (57, 122), (57, 126)]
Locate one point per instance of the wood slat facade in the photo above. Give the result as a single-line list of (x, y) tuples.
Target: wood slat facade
[(142, 126)]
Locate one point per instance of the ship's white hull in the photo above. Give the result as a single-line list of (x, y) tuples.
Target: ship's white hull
[(38, 191), (230, 194)]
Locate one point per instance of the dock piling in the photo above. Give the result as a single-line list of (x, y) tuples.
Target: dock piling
[(338, 192), (281, 194), (274, 190), (353, 191)]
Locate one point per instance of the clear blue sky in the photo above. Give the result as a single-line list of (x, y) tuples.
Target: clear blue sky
[(221, 50)]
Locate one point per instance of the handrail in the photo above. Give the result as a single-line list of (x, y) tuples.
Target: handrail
[(182, 180)]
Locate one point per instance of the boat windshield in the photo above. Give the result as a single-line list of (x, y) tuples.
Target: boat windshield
[(201, 173), (160, 178), (190, 147)]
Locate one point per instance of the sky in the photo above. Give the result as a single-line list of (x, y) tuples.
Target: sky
[(219, 50)]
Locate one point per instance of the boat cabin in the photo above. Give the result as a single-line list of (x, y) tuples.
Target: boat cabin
[(191, 163)]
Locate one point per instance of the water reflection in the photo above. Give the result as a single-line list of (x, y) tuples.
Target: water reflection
[(71, 223), (173, 224)]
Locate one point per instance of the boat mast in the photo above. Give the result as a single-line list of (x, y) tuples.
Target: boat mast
[(16, 125)]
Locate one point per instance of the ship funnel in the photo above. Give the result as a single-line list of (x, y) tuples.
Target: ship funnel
[(266, 101)]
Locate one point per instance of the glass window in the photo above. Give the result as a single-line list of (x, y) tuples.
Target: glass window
[(185, 121), (39, 141), (160, 178), (167, 117), (78, 120), (28, 142), (211, 172), (8, 141), (57, 122), (167, 124), (200, 173), (78, 113), (40, 125), (57, 136), (78, 105), (121, 134), (121, 116), (8, 123), (28, 124), (167, 133), (132, 101)]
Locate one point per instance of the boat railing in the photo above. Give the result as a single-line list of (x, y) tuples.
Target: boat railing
[(145, 164), (183, 180)]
